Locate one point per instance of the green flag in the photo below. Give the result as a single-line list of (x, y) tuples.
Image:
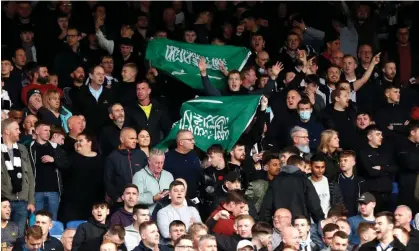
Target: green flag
[(214, 120), (180, 60)]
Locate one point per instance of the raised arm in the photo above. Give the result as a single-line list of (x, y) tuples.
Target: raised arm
[(209, 89), (360, 82)]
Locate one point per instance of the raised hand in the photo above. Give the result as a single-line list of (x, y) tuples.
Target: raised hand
[(301, 25), (263, 103), (376, 59), (277, 68), (223, 68), (202, 66)]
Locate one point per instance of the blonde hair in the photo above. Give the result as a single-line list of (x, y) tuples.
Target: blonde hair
[(325, 139), (197, 226), (47, 96)]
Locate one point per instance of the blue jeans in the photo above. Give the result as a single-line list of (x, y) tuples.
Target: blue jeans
[(49, 201), (19, 214)]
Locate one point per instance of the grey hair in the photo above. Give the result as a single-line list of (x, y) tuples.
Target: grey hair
[(205, 238), (296, 129), (156, 152)]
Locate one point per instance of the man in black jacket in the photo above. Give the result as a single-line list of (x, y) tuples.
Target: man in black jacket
[(149, 114), (377, 166), (122, 164), (408, 159), (403, 217), (292, 191), (384, 227), (90, 234)]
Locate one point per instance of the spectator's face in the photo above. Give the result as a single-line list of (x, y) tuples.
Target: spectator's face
[(198, 236), (244, 228), (6, 67), (402, 217), (189, 36), (343, 99), (339, 244), (20, 58), (151, 235), (274, 166), (92, 39), (177, 195), (63, 23), (365, 54), (35, 100), (169, 16), (390, 71), (126, 31), (328, 238), (261, 59), (67, 239), (33, 244), (118, 113), (141, 216), (346, 163), (114, 238), (187, 141), (142, 22), (130, 197), (238, 153), (334, 45), (44, 222), (144, 138), (98, 75), (143, 91), (100, 213), (375, 138), (184, 245), (349, 65), (403, 35), (108, 247), (370, 235), (128, 74), (289, 76), (344, 226), (415, 135), (334, 141), (263, 81), (66, 7), (382, 227), (208, 245), (78, 75), (337, 59), (333, 74), (362, 12), (283, 158), (43, 132), (54, 101), (258, 43), (366, 209), (293, 97), (82, 144), (234, 82), (233, 185), (318, 168), (161, 34), (216, 159), (248, 23), (6, 210), (292, 42), (282, 219), (58, 138), (53, 80), (302, 227), (83, 121), (107, 64), (291, 237), (129, 139), (251, 77), (75, 125), (156, 163), (362, 121), (26, 37), (301, 138), (393, 95), (24, 10), (227, 30), (238, 208), (100, 11), (176, 231), (73, 37), (125, 50)]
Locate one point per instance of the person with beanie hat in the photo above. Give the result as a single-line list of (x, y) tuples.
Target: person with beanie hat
[(33, 101)]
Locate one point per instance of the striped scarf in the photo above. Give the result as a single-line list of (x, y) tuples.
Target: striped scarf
[(13, 167)]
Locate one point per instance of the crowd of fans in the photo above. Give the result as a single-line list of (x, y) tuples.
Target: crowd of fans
[(330, 161)]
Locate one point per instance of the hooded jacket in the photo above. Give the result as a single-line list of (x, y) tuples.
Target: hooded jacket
[(291, 189), (89, 235)]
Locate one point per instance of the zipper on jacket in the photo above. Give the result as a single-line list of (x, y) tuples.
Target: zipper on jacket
[(130, 166)]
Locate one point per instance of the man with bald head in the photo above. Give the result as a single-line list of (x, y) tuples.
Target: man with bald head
[(75, 127), (281, 219), (402, 218), (122, 164), (67, 238), (290, 237)]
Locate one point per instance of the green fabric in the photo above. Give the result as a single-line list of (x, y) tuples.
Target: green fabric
[(180, 60), (214, 120)]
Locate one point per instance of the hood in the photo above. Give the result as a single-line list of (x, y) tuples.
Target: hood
[(98, 224), (289, 169)]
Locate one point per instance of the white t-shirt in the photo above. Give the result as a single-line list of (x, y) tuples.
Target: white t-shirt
[(322, 189)]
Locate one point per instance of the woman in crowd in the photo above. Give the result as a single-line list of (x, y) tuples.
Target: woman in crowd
[(144, 141), (329, 147), (52, 111)]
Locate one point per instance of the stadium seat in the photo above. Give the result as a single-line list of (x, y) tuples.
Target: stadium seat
[(75, 223), (57, 229)]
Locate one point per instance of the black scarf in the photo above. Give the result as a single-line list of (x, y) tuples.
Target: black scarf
[(14, 168)]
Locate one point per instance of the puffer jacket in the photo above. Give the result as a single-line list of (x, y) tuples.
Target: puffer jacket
[(89, 235)]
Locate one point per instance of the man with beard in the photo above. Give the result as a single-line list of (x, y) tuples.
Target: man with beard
[(70, 93), (39, 80), (109, 138), (332, 77), (300, 140), (237, 163), (376, 165), (384, 225), (124, 215)]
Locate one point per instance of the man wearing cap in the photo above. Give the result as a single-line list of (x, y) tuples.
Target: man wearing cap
[(366, 209), (245, 245), (39, 80)]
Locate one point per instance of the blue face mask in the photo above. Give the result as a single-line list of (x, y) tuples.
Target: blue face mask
[(305, 115)]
